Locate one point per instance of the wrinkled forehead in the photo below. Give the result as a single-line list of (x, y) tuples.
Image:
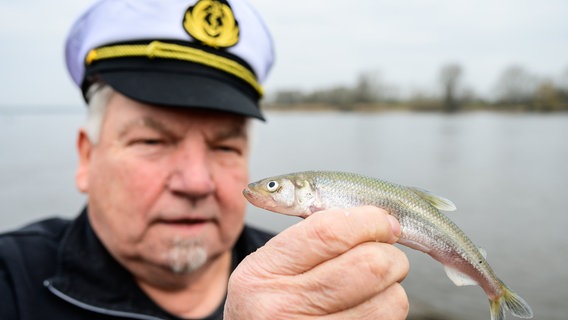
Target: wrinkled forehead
[(124, 113)]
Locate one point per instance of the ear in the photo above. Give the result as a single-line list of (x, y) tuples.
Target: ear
[(84, 150)]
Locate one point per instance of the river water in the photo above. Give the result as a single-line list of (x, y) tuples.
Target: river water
[(507, 174)]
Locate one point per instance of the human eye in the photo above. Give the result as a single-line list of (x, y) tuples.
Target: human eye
[(228, 147), (144, 138), (150, 146), (228, 150), (236, 146), (148, 141)]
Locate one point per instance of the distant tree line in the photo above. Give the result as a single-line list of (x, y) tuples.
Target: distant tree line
[(515, 90)]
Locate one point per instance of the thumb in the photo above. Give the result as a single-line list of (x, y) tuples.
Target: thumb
[(325, 235)]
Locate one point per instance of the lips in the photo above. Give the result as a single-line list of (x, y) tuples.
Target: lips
[(184, 219), (184, 226)]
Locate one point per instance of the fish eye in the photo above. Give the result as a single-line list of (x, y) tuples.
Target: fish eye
[(272, 186)]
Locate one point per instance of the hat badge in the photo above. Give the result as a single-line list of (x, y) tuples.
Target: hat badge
[(212, 22)]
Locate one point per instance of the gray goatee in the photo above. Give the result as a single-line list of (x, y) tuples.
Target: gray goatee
[(186, 255)]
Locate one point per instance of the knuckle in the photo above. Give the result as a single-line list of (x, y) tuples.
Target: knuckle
[(327, 235), (380, 265), (399, 260), (392, 303), (385, 261), (402, 299)]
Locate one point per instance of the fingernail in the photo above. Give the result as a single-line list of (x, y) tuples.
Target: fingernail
[(395, 225)]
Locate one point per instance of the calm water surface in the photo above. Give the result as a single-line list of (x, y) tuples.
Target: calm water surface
[(508, 175)]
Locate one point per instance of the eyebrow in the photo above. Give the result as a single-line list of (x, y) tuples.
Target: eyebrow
[(237, 129), (145, 122)]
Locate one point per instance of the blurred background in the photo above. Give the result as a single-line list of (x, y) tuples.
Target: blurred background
[(465, 98)]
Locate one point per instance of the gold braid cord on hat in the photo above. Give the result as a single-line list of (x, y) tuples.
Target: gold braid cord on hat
[(157, 49)]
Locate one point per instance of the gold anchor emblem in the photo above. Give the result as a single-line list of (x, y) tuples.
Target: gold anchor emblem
[(212, 22)]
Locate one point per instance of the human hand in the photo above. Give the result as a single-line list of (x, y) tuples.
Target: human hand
[(336, 264)]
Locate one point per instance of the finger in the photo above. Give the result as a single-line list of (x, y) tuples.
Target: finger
[(325, 235), (391, 303), (351, 278)]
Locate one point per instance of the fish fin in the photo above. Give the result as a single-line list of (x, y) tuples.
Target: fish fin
[(435, 200), (512, 302), (459, 278), (515, 304), (496, 310), (483, 252)]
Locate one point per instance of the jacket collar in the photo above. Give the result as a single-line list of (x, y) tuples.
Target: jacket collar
[(89, 275)]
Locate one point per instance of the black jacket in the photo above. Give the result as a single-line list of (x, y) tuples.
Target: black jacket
[(58, 269)]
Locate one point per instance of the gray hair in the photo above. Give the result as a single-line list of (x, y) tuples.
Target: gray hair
[(98, 97)]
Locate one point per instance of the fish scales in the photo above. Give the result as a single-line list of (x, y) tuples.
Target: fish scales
[(423, 226)]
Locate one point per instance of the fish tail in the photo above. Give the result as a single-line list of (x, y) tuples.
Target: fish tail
[(513, 302), (496, 309)]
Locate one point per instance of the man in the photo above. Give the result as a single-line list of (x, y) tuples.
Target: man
[(163, 157)]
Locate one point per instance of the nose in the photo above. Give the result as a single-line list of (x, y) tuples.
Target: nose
[(191, 174)]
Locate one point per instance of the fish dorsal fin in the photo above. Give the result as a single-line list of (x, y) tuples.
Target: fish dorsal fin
[(458, 278), (483, 252), (435, 200)]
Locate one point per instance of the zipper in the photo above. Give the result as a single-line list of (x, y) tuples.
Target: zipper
[(80, 304)]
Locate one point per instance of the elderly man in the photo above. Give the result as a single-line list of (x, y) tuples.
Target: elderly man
[(163, 157)]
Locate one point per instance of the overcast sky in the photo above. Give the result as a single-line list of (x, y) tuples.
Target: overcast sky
[(322, 43)]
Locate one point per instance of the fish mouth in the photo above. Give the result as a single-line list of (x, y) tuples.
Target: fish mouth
[(254, 198), (249, 195)]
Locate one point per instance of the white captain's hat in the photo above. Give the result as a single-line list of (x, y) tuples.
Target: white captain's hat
[(210, 54)]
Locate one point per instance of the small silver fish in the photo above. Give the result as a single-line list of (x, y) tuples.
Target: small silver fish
[(423, 226)]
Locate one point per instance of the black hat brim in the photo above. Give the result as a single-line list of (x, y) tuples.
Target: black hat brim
[(179, 85)]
